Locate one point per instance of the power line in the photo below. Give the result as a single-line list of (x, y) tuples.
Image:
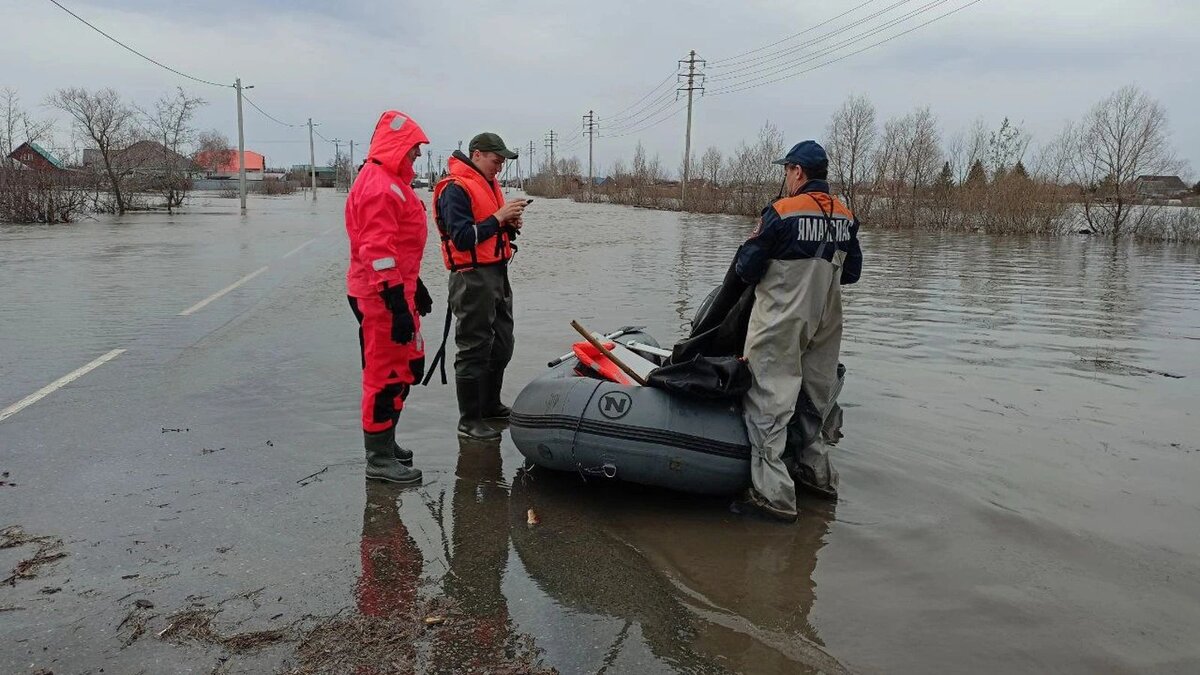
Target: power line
[(762, 61), (642, 118), (714, 63), (736, 88), (768, 70), (131, 49), (771, 71), (266, 114), (570, 144), (668, 95), (621, 113), (652, 124)]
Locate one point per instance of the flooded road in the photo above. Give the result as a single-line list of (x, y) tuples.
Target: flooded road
[(1018, 471)]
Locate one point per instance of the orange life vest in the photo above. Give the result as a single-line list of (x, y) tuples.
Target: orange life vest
[(486, 197)]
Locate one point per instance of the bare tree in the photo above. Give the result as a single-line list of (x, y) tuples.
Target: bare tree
[(36, 194), (852, 134), (1123, 136), (213, 151), (169, 123), (107, 123), (710, 165), (17, 126), (341, 170), (1006, 147), (907, 162)]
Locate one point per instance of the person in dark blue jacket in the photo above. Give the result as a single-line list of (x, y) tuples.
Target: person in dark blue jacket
[(804, 248)]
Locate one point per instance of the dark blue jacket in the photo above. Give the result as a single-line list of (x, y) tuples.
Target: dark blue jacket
[(810, 224)]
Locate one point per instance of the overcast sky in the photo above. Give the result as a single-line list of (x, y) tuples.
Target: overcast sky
[(521, 68)]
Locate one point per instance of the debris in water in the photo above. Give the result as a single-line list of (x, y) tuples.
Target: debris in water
[(49, 549), (311, 477), (435, 620), (178, 431), (1127, 369), (531, 517), (195, 625), (143, 603)]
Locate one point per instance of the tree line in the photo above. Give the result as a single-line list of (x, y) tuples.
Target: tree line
[(906, 173)]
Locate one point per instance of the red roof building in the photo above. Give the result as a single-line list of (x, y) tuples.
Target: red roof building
[(226, 164)]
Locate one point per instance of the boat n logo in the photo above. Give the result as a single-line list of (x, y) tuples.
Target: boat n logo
[(615, 404)]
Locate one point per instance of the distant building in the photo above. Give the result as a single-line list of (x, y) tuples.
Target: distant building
[(149, 158), (35, 157), (1161, 187), (224, 164), (326, 175)]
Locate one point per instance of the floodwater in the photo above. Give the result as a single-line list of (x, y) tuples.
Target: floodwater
[(1019, 465)]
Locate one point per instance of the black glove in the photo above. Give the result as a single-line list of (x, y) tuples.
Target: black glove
[(403, 327), (424, 301)]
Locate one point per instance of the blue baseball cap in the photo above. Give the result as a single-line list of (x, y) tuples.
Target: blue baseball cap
[(806, 155)]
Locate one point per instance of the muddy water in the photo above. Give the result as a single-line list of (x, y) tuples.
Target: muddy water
[(1018, 471), (1019, 468)]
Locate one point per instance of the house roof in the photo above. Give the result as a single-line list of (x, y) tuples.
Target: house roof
[(18, 154), (151, 155), (47, 156), (229, 163), (1169, 182)]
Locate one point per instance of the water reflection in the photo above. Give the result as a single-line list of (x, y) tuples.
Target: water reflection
[(477, 558), (386, 591), (702, 590), (391, 561)]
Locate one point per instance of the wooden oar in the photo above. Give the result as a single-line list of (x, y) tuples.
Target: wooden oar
[(587, 335)]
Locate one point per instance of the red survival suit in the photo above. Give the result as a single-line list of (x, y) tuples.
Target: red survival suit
[(386, 223)]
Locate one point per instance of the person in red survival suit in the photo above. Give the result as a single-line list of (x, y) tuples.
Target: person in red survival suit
[(387, 227)]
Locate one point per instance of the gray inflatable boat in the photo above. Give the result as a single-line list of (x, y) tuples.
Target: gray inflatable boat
[(598, 428)]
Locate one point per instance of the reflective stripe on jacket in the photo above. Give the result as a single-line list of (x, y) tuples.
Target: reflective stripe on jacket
[(385, 219), (810, 224)]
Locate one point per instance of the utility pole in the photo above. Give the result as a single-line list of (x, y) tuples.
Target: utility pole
[(429, 169), (351, 184), (312, 159), (551, 138), (589, 128), (530, 159), (337, 156), (241, 143), (692, 76)]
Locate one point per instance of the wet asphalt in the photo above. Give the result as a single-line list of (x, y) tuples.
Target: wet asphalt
[(1018, 469)]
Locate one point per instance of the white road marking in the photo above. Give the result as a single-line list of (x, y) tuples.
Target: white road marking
[(57, 384), (298, 248), (201, 305)]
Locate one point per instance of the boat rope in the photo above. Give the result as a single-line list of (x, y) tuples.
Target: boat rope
[(606, 470)]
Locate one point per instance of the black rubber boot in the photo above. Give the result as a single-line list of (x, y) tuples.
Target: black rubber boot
[(493, 409), (382, 463), (470, 405), (402, 455), (753, 504)]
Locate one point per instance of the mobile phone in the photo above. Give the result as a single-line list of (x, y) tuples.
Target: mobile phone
[(528, 202)]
